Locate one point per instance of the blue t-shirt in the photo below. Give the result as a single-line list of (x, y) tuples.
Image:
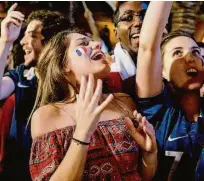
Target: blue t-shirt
[(199, 176), (25, 93), (19, 143), (178, 146)]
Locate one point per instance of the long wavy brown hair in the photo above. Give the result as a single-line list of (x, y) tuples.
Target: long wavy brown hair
[(54, 84)]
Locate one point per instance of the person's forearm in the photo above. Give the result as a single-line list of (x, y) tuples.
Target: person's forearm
[(72, 166), (94, 29), (149, 64), (4, 51), (199, 34), (154, 23), (149, 165)]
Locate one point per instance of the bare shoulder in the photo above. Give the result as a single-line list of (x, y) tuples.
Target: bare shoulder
[(44, 120), (125, 99), (41, 121)]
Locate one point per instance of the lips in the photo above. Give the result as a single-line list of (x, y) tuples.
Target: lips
[(192, 72), (27, 50), (135, 32), (97, 56)]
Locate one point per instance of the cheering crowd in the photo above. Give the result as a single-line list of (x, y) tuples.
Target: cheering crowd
[(76, 112)]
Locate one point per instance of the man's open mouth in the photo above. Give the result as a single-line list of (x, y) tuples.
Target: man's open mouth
[(27, 51), (134, 35)]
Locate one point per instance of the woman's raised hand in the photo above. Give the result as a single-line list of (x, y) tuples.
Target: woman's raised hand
[(88, 109), (11, 25)]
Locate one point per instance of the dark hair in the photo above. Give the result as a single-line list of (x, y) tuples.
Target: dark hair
[(116, 12), (52, 21), (200, 44), (18, 55), (172, 35)]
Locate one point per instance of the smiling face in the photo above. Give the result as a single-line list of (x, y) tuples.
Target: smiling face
[(32, 42), (128, 25), (182, 63), (85, 56)]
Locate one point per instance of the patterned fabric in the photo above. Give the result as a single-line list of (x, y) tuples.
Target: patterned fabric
[(112, 154)]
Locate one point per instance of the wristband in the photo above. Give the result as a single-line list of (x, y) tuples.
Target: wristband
[(80, 142)]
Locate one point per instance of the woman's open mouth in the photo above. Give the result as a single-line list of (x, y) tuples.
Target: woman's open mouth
[(97, 56), (192, 72)]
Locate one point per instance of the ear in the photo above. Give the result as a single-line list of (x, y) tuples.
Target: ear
[(116, 33)]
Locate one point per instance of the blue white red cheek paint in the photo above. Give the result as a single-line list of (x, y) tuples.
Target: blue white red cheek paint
[(83, 50), (79, 51)]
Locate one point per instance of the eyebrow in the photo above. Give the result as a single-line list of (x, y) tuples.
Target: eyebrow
[(127, 11), (84, 38), (32, 31), (130, 11), (177, 48), (195, 47)]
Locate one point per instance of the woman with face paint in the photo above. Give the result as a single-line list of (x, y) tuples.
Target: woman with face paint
[(78, 132), (173, 104)]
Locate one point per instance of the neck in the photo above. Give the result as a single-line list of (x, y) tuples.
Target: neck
[(134, 57), (190, 103), (132, 54)]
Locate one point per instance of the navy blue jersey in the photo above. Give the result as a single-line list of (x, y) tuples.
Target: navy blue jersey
[(199, 175), (178, 146), (25, 93), (19, 143)]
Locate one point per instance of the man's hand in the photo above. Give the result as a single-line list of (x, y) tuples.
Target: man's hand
[(11, 25)]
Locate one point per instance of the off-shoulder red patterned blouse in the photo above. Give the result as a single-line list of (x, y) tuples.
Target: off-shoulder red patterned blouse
[(112, 154)]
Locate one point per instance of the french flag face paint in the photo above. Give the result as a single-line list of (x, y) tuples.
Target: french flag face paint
[(84, 50), (79, 51)]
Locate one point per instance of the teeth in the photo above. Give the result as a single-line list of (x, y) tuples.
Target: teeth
[(27, 52), (191, 70), (135, 36), (96, 54)]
